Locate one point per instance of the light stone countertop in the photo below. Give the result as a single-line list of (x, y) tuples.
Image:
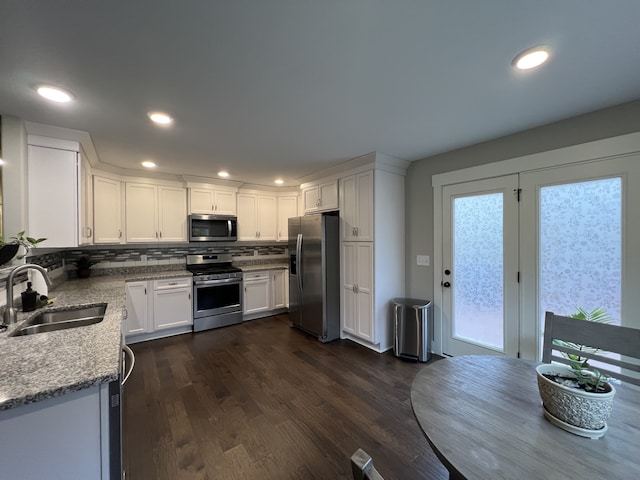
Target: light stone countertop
[(46, 365), (257, 268)]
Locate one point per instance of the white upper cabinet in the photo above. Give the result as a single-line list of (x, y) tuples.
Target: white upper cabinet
[(321, 197), (155, 213), (257, 216), (53, 196), (172, 214), (212, 201), (356, 207), (287, 208), (107, 210), (85, 212)]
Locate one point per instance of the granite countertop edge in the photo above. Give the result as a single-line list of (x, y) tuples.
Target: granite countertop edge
[(268, 266), (47, 365)]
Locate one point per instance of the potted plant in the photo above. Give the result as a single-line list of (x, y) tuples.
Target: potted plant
[(577, 397), (83, 265), (9, 249)]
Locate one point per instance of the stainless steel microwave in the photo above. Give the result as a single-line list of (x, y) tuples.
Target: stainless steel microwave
[(212, 228)]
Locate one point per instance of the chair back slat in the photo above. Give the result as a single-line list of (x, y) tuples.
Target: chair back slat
[(605, 338)]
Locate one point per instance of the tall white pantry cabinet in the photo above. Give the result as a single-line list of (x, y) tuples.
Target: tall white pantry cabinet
[(372, 250)]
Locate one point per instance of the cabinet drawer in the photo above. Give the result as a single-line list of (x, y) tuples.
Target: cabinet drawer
[(168, 283), (254, 276)]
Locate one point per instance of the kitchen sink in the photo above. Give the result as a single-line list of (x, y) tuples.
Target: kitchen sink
[(62, 319)]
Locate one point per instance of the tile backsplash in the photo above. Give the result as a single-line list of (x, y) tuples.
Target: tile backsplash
[(112, 259)]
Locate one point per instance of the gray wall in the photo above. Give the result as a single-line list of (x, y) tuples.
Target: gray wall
[(606, 123)]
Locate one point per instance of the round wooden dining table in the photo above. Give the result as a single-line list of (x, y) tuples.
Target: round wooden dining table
[(483, 418)]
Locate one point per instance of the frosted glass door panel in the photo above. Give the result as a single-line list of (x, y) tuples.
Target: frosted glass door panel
[(580, 260), (477, 269)]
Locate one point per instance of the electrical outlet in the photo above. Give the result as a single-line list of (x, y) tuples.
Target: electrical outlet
[(423, 260)]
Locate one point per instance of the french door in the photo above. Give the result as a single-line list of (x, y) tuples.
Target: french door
[(557, 239), (480, 267)]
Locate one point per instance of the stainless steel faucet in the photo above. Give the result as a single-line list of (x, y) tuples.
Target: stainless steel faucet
[(10, 313)]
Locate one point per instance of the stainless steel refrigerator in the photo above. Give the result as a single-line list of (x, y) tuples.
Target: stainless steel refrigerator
[(314, 275)]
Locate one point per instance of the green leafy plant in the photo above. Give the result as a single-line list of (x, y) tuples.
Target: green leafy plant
[(22, 240), (84, 262), (589, 378)]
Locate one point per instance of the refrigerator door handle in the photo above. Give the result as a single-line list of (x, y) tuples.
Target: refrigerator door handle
[(299, 260)]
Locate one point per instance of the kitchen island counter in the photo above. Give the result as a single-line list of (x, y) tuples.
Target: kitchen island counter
[(47, 365)]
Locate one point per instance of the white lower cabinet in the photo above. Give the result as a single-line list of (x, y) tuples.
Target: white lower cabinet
[(157, 308), (136, 309), (68, 437), (357, 290), (279, 297), (172, 303), (256, 293), (265, 293)]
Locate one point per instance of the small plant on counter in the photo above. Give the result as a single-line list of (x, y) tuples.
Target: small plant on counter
[(83, 265)]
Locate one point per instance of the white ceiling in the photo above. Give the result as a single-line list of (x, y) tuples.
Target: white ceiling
[(267, 88)]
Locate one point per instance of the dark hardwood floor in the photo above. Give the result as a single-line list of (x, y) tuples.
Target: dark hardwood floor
[(261, 400)]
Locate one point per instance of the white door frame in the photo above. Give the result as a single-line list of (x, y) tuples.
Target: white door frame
[(611, 147)]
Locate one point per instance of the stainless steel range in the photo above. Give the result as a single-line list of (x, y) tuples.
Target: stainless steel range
[(217, 291)]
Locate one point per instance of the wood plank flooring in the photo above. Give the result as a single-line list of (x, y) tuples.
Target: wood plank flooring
[(261, 400)]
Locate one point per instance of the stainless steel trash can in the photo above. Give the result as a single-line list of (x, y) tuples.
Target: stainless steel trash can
[(412, 321)]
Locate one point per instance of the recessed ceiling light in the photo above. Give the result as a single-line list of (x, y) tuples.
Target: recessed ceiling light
[(148, 164), (160, 118), (279, 181), (54, 94), (222, 173), (531, 58)]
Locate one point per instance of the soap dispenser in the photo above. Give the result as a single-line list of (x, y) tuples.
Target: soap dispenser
[(29, 299)]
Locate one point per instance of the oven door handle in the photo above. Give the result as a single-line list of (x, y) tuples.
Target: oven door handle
[(217, 282), (128, 353)]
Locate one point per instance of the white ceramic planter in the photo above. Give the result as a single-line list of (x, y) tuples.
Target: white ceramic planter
[(572, 406)]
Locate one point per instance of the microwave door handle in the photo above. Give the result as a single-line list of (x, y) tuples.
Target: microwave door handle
[(229, 230), (299, 260)]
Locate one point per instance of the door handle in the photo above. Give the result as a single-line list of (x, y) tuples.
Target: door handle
[(132, 361)]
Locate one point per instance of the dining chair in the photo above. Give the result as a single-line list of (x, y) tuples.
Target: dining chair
[(362, 466), (601, 337)]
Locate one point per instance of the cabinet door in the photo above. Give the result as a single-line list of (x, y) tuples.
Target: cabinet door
[(364, 292), (357, 290), (256, 296), (137, 309), (172, 308), (201, 200), (53, 196), (107, 210), (141, 212), (278, 299), (224, 202), (247, 221), (349, 306), (310, 199), (267, 217), (364, 205), (348, 208), (172, 214), (328, 193), (287, 208), (86, 204)]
